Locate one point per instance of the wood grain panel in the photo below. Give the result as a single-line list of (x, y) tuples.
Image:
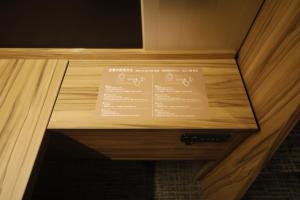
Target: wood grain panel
[(28, 89), (228, 103), (269, 62), (144, 145), (197, 25)]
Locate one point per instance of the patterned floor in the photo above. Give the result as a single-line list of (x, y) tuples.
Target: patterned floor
[(160, 180)]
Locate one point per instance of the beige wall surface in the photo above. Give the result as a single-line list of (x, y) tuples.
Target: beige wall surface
[(206, 25)]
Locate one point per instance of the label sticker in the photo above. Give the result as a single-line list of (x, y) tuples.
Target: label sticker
[(152, 93)]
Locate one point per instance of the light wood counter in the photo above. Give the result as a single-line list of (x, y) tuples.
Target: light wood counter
[(28, 89), (229, 107)]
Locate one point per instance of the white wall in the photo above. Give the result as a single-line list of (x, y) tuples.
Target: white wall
[(209, 25)]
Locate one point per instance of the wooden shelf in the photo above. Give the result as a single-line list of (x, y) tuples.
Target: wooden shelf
[(229, 107)]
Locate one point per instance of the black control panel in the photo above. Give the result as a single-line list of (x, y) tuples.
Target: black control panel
[(192, 138)]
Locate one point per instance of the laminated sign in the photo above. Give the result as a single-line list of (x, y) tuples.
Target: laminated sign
[(152, 93)]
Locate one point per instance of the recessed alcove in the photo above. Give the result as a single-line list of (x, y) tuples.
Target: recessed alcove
[(70, 24)]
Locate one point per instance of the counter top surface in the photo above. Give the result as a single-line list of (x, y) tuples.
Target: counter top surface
[(228, 104), (28, 89)]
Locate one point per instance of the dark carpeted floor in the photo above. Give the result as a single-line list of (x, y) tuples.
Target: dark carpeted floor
[(95, 179)]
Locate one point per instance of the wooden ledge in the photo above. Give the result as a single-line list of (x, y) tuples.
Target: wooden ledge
[(112, 54), (228, 103)]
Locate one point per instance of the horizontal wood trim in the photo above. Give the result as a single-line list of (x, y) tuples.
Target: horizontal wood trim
[(139, 144), (111, 54)]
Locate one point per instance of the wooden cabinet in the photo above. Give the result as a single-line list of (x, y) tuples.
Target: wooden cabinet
[(75, 114)]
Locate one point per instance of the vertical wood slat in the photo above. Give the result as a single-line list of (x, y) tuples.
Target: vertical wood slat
[(270, 64), (28, 89)]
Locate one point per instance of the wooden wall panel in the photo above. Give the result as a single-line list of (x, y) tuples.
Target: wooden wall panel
[(269, 62), (28, 89), (214, 25)]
